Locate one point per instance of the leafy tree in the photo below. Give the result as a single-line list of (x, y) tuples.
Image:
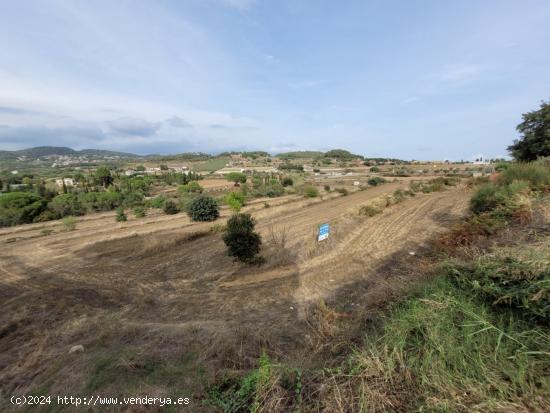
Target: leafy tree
[(203, 208), (103, 176), (170, 207), (20, 208), (342, 155), (66, 204), (241, 240), (535, 135), (237, 177)]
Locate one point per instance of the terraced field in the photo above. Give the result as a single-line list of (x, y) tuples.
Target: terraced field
[(170, 277)]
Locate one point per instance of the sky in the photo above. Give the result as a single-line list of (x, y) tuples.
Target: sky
[(427, 79)]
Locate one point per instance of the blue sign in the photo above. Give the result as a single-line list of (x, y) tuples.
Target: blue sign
[(324, 231)]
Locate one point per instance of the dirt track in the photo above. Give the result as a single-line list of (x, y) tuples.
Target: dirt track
[(168, 273)]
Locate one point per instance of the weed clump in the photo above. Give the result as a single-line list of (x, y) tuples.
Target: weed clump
[(377, 180), (120, 215), (518, 278), (69, 223), (170, 207), (310, 192)]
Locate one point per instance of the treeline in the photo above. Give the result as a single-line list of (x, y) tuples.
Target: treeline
[(102, 191)]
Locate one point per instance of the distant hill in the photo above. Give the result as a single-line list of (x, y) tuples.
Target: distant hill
[(300, 155), (41, 151)]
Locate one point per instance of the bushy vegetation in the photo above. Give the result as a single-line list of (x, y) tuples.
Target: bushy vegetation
[(241, 240), (69, 223), (535, 135), (120, 215), (191, 187), (203, 208), (512, 277), (377, 180), (310, 191), (100, 191), (139, 212), (236, 177), (20, 208), (287, 181), (235, 200), (170, 207)]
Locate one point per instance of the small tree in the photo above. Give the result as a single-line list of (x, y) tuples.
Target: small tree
[(535, 139), (203, 208), (170, 207), (241, 240), (120, 215), (237, 177), (103, 176)]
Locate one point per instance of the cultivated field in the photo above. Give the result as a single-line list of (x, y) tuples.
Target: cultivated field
[(163, 288)]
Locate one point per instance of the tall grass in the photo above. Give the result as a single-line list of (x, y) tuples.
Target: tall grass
[(446, 351), (536, 174)]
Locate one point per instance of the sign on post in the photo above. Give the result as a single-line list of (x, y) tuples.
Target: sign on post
[(324, 230)]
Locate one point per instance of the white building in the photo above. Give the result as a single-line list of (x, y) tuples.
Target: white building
[(67, 181)]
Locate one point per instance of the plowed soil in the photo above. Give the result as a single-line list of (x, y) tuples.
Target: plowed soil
[(165, 273)]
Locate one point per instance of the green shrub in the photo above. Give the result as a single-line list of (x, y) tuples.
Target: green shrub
[(287, 181), (193, 187), (170, 207), (491, 196), (375, 169), (398, 196), (69, 223), (326, 188), (235, 200), (139, 212), (241, 240), (203, 208), (342, 191), (377, 180), (486, 198), (310, 191), (370, 210), (120, 215), (157, 202)]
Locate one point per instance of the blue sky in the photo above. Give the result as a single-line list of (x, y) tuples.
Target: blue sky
[(427, 79)]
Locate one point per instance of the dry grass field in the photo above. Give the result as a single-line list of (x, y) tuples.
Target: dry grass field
[(159, 306)]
